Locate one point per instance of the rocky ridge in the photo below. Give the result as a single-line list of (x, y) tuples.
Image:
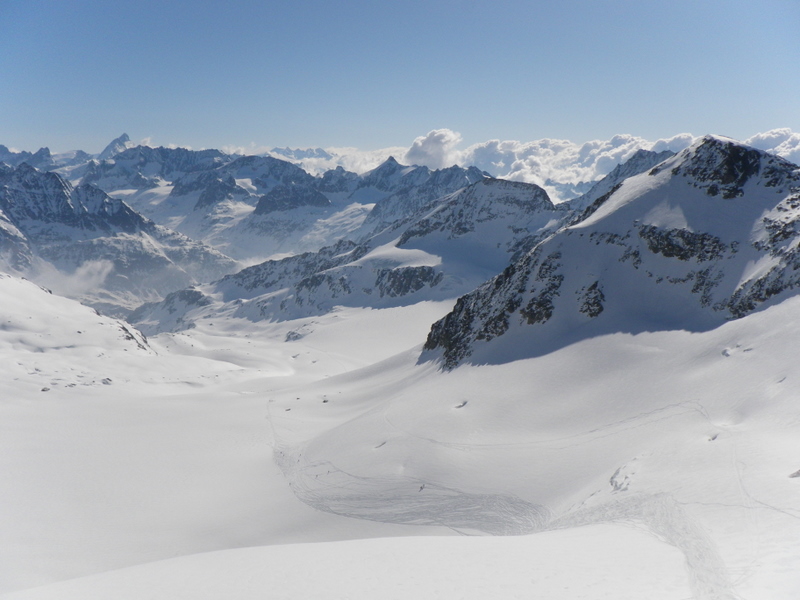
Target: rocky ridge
[(437, 254), (705, 236)]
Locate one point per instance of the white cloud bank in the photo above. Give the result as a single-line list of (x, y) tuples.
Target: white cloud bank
[(550, 163), (435, 150), (783, 142), (86, 278)]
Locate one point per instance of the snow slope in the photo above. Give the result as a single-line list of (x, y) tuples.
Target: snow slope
[(705, 236), (661, 459), (115, 450), (468, 568), (649, 449)]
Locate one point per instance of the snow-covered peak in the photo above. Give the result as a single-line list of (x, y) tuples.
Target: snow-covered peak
[(26, 192), (721, 165), (705, 236), (462, 239), (641, 161), (143, 167), (116, 146), (387, 175)]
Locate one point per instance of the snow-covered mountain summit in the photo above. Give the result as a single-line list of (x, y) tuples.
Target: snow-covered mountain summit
[(705, 236), (115, 147)]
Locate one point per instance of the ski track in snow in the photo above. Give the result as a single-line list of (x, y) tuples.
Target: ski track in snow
[(408, 501), (667, 520), (412, 501)]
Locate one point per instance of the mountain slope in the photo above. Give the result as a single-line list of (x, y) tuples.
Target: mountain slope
[(705, 236), (442, 252), (47, 223)]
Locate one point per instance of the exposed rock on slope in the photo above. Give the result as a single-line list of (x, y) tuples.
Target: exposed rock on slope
[(705, 236), (44, 220), (458, 243), (143, 167)]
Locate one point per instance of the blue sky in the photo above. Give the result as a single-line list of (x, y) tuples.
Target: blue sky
[(77, 73)]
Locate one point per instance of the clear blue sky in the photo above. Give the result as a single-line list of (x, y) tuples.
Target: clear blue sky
[(371, 74)]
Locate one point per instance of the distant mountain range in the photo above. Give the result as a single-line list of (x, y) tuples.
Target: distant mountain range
[(154, 221), (339, 353)]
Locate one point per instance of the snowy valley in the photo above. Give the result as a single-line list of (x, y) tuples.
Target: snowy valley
[(227, 376)]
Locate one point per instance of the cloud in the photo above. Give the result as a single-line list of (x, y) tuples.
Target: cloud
[(435, 150), (562, 167), (675, 144), (783, 142), (352, 159), (86, 278), (560, 161), (252, 149)]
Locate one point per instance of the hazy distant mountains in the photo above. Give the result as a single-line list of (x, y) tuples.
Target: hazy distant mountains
[(47, 224), (58, 220)]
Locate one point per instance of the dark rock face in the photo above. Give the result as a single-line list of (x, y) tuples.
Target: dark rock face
[(218, 190), (273, 275), (473, 318), (288, 197), (539, 308), (405, 280), (682, 244), (723, 168), (189, 297), (338, 181), (591, 300)]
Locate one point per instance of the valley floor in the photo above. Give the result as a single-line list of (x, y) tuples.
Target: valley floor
[(226, 461)]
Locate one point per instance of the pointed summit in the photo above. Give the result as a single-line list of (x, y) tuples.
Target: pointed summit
[(115, 147), (723, 166), (390, 165)]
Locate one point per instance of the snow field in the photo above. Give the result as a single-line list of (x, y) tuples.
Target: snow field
[(652, 465), (619, 563)]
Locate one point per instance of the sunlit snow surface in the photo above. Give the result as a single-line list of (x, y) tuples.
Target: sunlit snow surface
[(225, 461)]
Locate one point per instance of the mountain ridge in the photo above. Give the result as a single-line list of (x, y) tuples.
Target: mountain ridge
[(662, 249)]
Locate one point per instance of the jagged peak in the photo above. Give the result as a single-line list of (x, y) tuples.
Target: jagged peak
[(724, 165), (712, 144), (115, 146), (388, 166)]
